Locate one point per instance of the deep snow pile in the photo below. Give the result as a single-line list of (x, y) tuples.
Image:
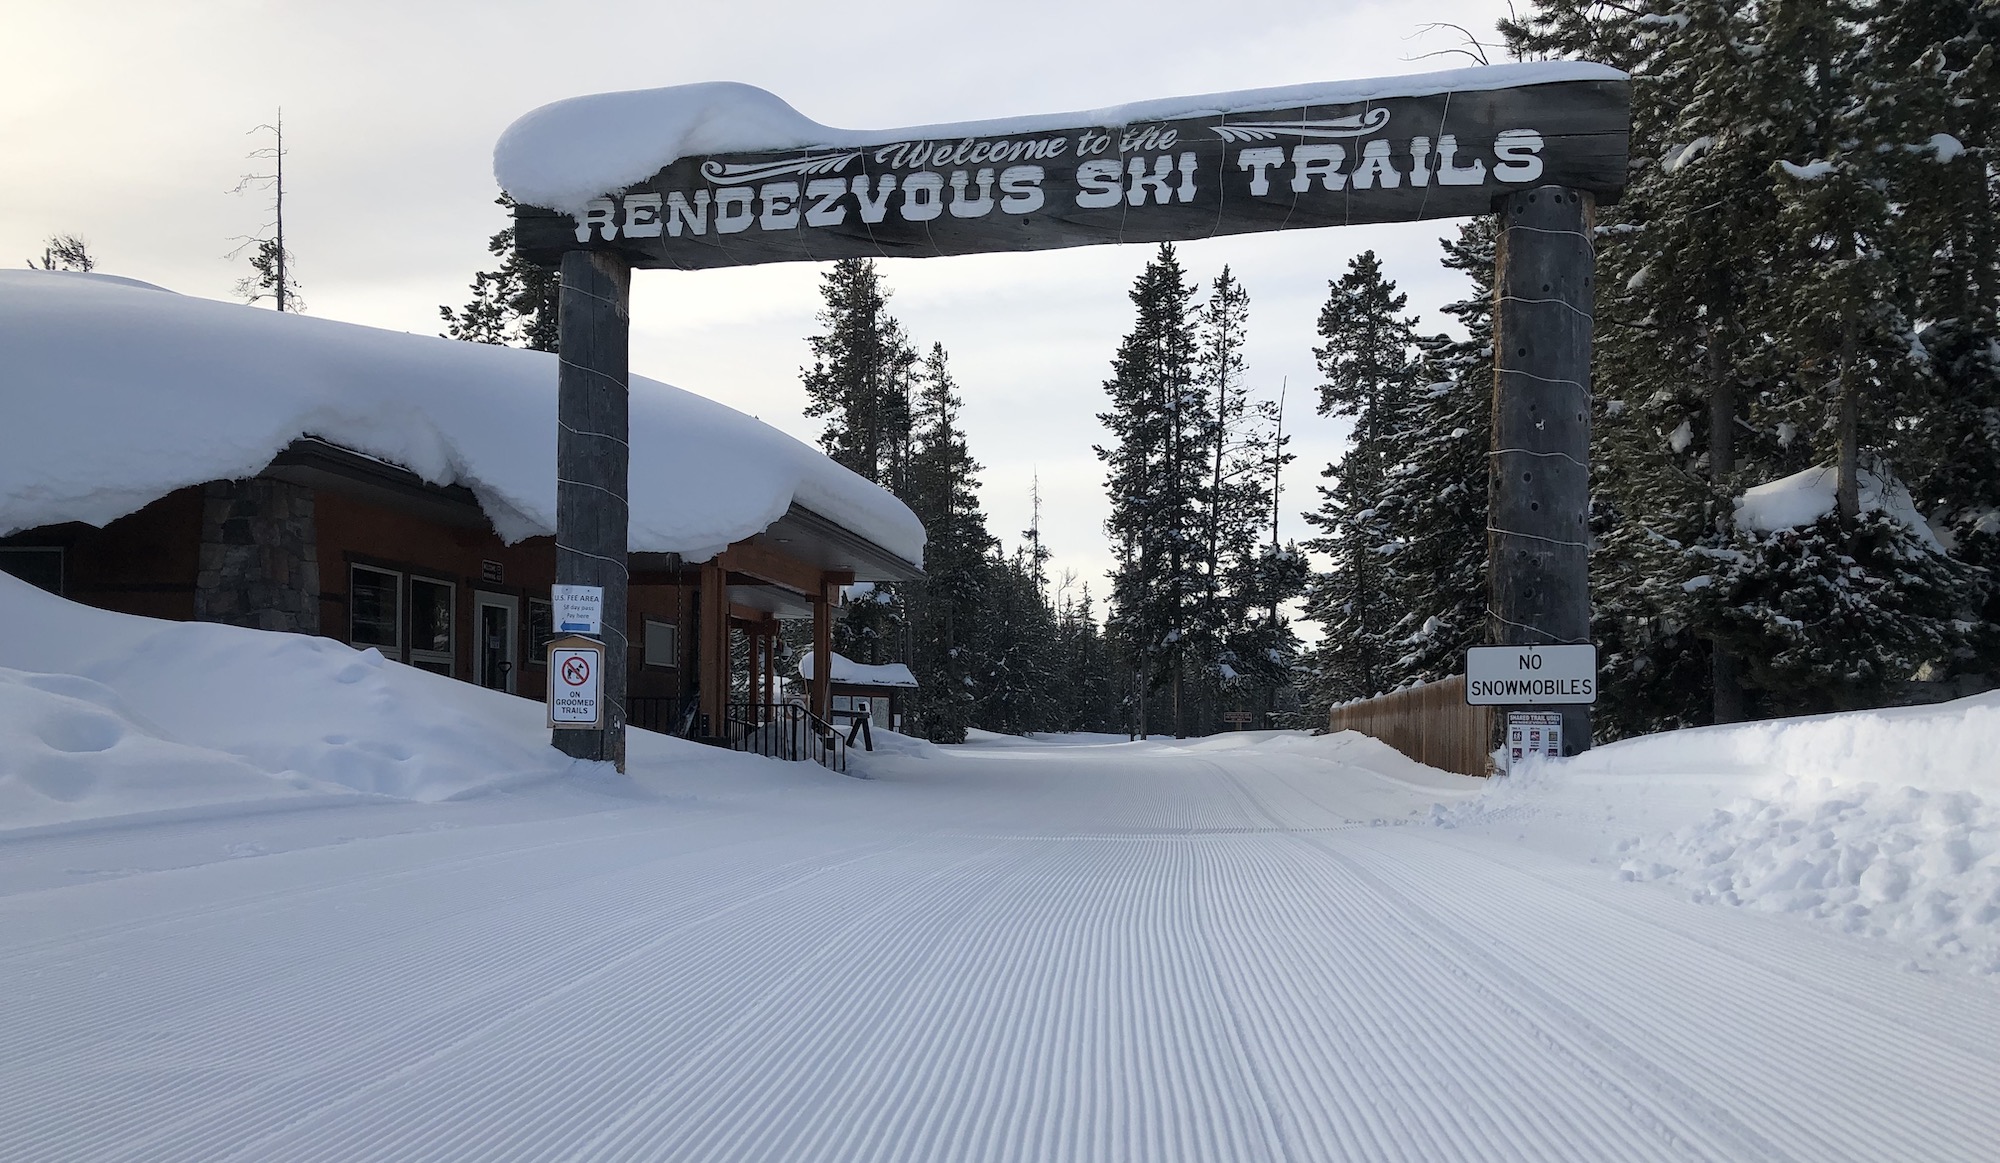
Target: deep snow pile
[(118, 392), (105, 714), (563, 154), (1884, 823)]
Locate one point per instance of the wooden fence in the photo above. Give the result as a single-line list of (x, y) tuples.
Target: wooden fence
[(1429, 723)]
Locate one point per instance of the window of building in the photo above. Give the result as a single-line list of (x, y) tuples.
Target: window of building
[(663, 644), (431, 624), (541, 628), (375, 609), (38, 565)]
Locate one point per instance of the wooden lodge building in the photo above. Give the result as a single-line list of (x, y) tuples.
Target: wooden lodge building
[(325, 539)]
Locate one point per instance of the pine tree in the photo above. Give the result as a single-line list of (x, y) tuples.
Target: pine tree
[(271, 277), (514, 306), (861, 382), (1817, 321), (1935, 93), (947, 605), (1436, 489), (1088, 699), (1368, 360), (1244, 645), (860, 377), (1157, 480), (1018, 652)]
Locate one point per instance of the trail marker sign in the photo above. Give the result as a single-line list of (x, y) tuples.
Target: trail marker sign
[(1536, 733), (576, 683), (1515, 676)]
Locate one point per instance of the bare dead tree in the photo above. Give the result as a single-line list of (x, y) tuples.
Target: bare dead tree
[(270, 260)]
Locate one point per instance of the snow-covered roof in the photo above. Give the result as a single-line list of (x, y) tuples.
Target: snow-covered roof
[(117, 392), (1804, 497), (847, 672), (566, 153)]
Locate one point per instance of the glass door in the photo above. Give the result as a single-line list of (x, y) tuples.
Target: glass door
[(494, 650)]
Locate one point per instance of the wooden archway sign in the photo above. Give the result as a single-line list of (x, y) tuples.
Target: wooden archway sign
[(1540, 145)]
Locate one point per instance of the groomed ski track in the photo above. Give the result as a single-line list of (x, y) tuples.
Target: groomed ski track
[(1005, 952)]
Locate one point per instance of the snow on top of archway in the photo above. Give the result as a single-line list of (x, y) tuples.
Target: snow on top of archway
[(116, 393), (567, 152)]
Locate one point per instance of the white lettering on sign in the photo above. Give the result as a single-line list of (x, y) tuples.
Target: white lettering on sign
[(1498, 676), (975, 177), (576, 686)]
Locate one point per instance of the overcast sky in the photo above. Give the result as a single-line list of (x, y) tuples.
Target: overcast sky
[(125, 123)]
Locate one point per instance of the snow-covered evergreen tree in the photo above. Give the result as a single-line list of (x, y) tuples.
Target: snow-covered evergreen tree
[(1773, 291), (947, 607), (1018, 649), (861, 382), (1157, 477), (1369, 362), (514, 306), (1434, 492)]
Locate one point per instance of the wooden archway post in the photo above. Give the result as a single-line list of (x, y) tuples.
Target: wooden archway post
[(593, 453), (1538, 477)]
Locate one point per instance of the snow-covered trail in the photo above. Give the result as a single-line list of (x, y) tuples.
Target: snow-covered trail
[(998, 952)]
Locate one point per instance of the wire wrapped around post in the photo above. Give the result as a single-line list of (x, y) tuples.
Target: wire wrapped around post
[(1538, 481), (593, 458)]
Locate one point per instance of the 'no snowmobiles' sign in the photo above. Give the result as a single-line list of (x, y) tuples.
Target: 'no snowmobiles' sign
[(1514, 676)]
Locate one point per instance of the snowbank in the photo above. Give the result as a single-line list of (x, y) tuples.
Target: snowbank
[(105, 714), (566, 153), (1885, 823), (117, 393), (846, 670), (1798, 500)]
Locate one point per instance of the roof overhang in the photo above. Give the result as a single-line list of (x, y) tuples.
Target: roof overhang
[(801, 534), (830, 546)]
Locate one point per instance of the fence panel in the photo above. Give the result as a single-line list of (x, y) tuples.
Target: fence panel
[(1429, 723)]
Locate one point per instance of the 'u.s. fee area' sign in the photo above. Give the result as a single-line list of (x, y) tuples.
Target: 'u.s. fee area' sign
[(1388, 159)]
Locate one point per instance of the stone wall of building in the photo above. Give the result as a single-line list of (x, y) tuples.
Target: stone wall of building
[(259, 564)]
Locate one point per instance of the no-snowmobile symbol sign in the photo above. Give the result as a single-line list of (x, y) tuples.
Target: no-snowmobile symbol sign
[(576, 683)]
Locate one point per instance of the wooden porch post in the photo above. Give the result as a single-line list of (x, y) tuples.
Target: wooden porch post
[(821, 701), (1538, 483), (771, 661), (714, 646)]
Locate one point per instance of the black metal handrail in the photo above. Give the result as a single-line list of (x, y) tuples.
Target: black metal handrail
[(667, 714), (786, 731)]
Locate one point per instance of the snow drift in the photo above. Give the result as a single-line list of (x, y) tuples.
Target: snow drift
[(1884, 823), (105, 714), (118, 392)]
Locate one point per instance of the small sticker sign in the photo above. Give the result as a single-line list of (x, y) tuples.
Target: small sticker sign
[(578, 609), (1536, 733), (576, 683)]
